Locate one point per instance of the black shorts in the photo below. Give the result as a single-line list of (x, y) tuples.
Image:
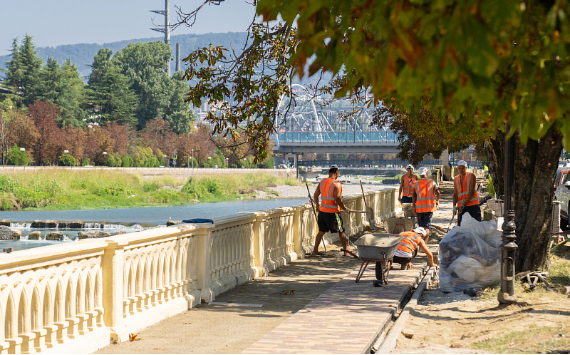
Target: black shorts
[(330, 222), (424, 219), (403, 261)]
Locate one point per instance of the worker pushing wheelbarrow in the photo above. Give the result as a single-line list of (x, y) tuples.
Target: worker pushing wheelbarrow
[(385, 249)]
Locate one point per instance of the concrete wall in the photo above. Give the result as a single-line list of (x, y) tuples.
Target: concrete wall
[(149, 173), (75, 297)]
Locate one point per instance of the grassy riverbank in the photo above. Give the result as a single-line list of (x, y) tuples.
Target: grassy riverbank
[(54, 190)]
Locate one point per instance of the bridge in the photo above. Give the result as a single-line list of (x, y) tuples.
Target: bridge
[(314, 125)]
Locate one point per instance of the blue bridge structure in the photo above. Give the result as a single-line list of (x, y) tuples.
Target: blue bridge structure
[(315, 125)]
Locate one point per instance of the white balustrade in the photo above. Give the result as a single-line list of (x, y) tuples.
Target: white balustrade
[(52, 298)]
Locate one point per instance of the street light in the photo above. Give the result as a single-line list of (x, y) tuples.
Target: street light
[(508, 246), (192, 158), (165, 162), (23, 150)]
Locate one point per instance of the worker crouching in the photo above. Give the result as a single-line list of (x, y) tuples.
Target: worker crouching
[(408, 248)]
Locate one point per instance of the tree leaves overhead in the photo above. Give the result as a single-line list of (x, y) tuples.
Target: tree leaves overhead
[(490, 61), (243, 90)]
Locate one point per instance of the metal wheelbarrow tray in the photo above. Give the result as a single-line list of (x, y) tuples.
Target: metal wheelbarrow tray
[(378, 248)]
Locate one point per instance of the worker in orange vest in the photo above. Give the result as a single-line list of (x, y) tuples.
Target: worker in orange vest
[(407, 183), (408, 248), (329, 219), (426, 200), (465, 196)]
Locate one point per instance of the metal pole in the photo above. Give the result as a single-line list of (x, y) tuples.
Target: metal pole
[(167, 28), (508, 246), (192, 158)]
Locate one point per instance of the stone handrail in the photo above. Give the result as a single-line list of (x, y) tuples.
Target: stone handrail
[(73, 297)]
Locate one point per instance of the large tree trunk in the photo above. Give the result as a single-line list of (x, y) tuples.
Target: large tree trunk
[(535, 169)]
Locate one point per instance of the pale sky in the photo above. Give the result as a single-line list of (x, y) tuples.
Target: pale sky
[(56, 22)]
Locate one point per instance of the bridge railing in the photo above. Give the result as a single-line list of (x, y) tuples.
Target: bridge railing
[(338, 137), (73, 297)]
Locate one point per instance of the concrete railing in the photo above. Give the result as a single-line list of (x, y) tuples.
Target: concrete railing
[(74, 297)]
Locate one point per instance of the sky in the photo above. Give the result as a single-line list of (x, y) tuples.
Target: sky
[(56, 22)]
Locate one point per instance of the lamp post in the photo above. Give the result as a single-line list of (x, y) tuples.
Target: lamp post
[(508, 246), (23, 150), (192, 158), (104, 158), (209, 162), (165, 162)]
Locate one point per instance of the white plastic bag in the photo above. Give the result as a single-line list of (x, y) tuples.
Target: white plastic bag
[(469, 255)]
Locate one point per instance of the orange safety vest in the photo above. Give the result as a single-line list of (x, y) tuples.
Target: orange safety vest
[(425, 196), (409, 243), (407, 187), (328, 204), (462, 191)]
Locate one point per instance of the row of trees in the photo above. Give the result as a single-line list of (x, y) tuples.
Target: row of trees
[(45, 142), (130, 87)]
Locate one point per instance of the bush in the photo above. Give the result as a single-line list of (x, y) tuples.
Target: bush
[(67, 160), (269, 163), (85, 162), (127, 161), (490, 186), (114, 160), (17, 157)]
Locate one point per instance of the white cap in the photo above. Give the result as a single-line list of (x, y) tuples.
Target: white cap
[(423, 171), (334, 166), (420, 230), (462, 162), (410, 166)]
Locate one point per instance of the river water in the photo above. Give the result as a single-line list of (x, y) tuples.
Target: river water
[(130, 219)]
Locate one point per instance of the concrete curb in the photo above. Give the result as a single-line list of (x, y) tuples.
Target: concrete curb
[(389, 342)]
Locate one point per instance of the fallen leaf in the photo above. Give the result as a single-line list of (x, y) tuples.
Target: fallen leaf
[(133, 337), (287, 292)]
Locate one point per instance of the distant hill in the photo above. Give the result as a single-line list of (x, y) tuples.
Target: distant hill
[(82, 54)]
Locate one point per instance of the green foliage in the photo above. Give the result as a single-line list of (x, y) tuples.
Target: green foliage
[(127, 161), (85, 162), (67, 160), (490, 186), (114, 160), (269, 163), (17, 157), (480, 64)]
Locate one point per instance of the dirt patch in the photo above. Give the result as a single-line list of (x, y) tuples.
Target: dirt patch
[(457, 323)]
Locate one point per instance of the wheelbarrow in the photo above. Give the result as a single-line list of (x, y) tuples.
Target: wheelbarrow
[(378, 248)]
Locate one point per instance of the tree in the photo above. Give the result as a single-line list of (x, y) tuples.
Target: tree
[(109, 92), (479, 63), (47, 147), (159, 136), (14, 74), (22, 131), (29, 78)]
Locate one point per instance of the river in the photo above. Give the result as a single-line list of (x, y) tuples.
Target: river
[(132, 219)]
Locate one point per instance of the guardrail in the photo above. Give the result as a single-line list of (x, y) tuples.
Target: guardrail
[(74, 297)]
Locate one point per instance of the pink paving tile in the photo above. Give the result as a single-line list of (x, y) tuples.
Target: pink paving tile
[(346, 306)]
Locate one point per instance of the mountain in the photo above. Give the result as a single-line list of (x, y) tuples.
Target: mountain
[(82, 54)]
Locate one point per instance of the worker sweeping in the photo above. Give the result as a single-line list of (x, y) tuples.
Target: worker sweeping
[(408, 248), (329, 219), (426, 200), (465, 196)]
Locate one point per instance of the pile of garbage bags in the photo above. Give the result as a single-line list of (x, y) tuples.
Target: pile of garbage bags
[(469, 256)]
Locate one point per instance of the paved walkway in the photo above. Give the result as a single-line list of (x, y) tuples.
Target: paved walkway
[(345, 319)]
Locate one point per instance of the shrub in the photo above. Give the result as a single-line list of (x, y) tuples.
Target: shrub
[(490, 186), (67, 160), (127, 161), (17, 157), (85, 162)]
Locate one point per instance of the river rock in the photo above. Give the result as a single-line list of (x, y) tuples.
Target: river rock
[(55, 236), (172, 223), (93, 234), (44, 224), (7, 233), (120, 232), (35, 235), (5, 222), (71, 224)]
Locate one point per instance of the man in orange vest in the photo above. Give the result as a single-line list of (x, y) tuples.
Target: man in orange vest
[(329, 219), (465, 196), (408, 248), (407, 183), (426, 199)]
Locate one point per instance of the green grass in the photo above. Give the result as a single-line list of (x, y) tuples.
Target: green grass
[(531, 341), (56, 190)]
